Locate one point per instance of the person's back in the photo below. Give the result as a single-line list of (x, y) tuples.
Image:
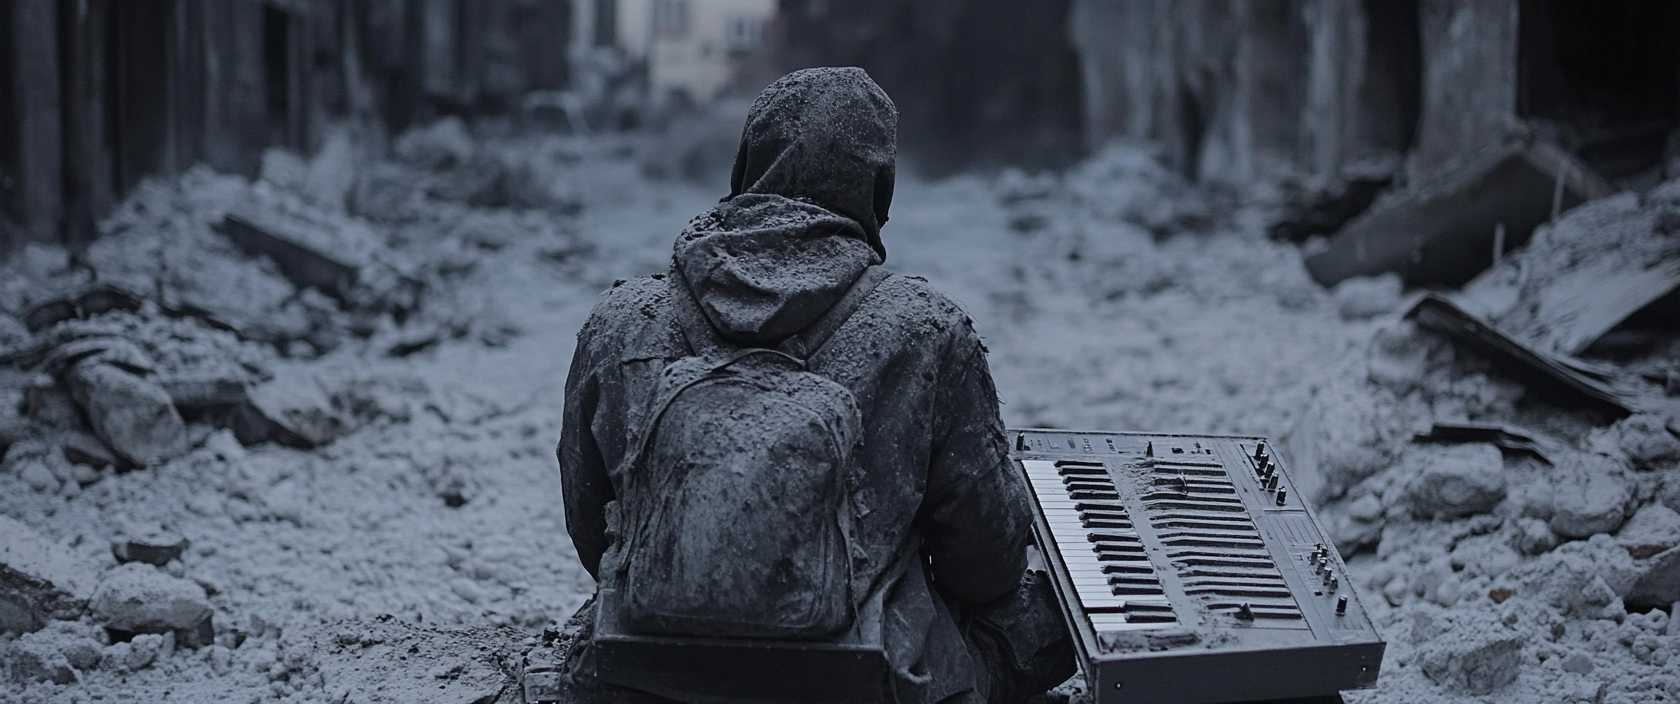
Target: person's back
[(938, 523)]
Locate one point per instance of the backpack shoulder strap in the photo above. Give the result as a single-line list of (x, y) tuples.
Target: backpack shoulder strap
[(805, 343)]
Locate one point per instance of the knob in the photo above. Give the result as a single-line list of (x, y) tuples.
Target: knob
[(1341, 605), (1260, 452), (1282, 492)]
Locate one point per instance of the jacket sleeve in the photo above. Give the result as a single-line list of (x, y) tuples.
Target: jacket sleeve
[(584, 484), (975, 516)]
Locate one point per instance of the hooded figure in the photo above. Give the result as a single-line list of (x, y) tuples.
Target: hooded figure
[(943, 521)]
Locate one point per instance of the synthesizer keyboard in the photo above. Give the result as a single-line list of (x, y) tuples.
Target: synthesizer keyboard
[(1191, 572)]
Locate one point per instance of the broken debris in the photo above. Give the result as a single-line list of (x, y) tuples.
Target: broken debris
[(134, 416), (1547, 373), (153, 547), (386, 660), (1591, 496), (1586, 273), (39, 581), (1445, 231), (1505, 437), (137, 598)]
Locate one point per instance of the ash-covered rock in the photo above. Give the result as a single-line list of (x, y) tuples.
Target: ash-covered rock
[(39, 581), (1591, 496), (385, 660), (1472, 652), (140, 598), (1454, 481), (130, 413)]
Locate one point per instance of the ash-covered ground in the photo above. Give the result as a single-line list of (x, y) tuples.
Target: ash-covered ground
[(357, 469)]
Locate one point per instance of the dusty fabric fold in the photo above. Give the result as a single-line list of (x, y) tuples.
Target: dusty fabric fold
[(763, 267)]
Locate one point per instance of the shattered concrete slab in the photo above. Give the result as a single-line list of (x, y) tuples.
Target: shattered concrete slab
[(372, 661), (1547, 373), (1456, 480), (1476, 653), (315, 248), (1444, 231), (1586, 273), (39, 581)]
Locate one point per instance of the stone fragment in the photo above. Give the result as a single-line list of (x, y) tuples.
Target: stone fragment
[(1668, 492), (48, 654), (134, 416), (1533, 536), (139, 598), (293, 410), (39, 581), (1654, 528), (1455, 480), (1646, 440), (37, 661), (1476, 653), (1658, 582), (1345, 435), (385, 660), (1579, 579), (152, 547), (1590, 496), (1365, 297)]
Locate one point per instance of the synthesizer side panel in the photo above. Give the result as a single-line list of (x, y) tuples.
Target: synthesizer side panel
[(1190, 570)]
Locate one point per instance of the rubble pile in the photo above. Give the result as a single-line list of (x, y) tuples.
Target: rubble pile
[(1555, 520), (238, 371), (356, 489)]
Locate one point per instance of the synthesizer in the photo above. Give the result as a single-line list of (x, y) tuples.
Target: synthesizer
[(1190, 570)]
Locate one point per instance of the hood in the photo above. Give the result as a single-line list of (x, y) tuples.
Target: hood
[(827, 136), (811, 186)]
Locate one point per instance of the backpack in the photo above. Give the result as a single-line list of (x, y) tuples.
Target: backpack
[(739, 515)]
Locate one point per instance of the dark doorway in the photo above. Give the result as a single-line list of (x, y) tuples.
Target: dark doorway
[(11, 123), (137, 88), (277, 73), (1393, 85), (1604, 77)]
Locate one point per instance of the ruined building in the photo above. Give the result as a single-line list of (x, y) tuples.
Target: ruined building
[(1235, 89), (1380, 94), (101, 93)]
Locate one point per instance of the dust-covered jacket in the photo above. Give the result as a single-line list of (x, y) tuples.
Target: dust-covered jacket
[(811, 187)]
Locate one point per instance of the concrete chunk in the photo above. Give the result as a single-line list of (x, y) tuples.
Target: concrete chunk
[(38, 580), (35, 661), (138, 598), (134, 416), (1443, 230), (1456, 480), (1591, 493), (1478, 655)]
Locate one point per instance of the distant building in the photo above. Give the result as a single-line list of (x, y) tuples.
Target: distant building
[(692, 50)]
